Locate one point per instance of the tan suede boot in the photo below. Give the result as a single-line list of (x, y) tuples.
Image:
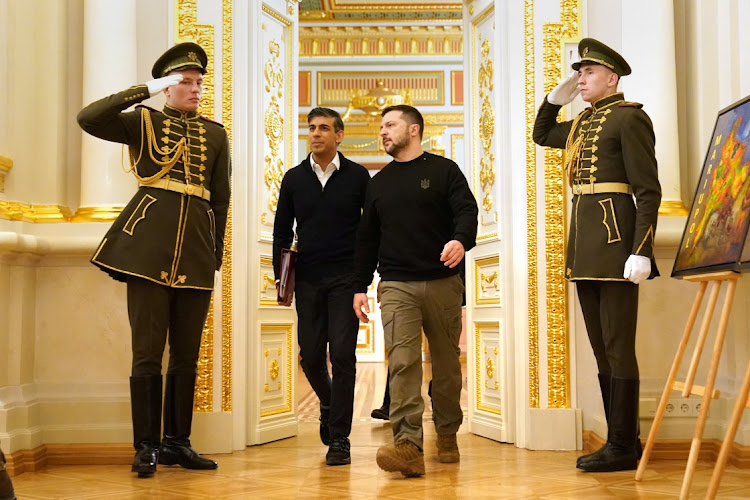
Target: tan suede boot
[(404, 457), (447, 448)]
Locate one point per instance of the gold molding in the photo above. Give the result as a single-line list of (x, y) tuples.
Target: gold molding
[(381, 41), (25, 212), (672, 208), (389, 78), (369, 346), (226, 267), (447, 119), (478, 327), (531, 194), (286, 329), (558, 362), (96, 214), (454, 139), (5, 165), (478, 277)]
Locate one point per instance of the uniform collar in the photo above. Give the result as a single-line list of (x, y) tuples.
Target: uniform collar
[(610, 99), (176, 113)]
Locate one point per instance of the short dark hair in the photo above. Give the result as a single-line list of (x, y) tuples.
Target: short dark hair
[(338, 123), (410, 114)]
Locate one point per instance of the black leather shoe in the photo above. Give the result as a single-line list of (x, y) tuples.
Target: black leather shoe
[(338, 452), (381, 413), (611, 458), (325, 433), (6, 486), (144, 462), (180, 453)]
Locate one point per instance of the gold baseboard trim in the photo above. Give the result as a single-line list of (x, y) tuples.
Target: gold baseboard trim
[(96, 214), (679, 449), (17, 211), (672, 208), (68, 454)]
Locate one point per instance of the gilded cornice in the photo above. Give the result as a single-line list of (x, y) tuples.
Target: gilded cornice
[(421, 40), (18, 211), (5, 165)]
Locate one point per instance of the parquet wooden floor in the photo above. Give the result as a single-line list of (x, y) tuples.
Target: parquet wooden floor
[(295, 468)]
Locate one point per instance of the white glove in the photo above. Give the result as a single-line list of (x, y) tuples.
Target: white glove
[(566, 90), (637, 268), (156, 86)]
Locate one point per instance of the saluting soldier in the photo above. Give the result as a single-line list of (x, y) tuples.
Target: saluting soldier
[(166, 244), (610, 161)]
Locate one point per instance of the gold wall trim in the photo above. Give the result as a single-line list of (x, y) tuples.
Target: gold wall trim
[(334, 88), (558, 355), (380, 41), (454, 140), (226, 267), (672, 208), (25, 212), (96, 214), (448, 119), (5, 165), (531, 193)]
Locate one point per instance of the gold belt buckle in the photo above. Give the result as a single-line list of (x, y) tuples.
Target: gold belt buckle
[(189, 189), (577, 189)]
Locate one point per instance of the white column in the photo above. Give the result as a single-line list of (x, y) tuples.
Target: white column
[(649, 47), (109, 65)]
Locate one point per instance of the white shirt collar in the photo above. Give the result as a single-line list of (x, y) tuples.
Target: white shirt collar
[(336, 163)]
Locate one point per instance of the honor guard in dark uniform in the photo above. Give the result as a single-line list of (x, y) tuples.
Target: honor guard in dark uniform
[(611, 167), (166, 244)]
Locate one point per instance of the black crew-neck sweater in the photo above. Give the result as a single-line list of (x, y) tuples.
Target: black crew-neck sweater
[(412, 210), (327, 218)]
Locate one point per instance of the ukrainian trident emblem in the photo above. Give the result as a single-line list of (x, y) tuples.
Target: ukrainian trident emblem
[(425, 183)]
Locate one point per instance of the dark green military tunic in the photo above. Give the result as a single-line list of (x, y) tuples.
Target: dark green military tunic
[(168, 233), (610, 142)]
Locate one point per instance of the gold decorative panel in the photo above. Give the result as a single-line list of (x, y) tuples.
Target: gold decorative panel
[(483, 122), (276, 363), (488, 369), (365, 337), (531, 193), (426, 87), (267, 290), (558, 376), (277, 80), (380, 41), (487, 280), (5, 165)]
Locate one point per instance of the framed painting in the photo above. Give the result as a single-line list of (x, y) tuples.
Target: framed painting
[(715, 237)]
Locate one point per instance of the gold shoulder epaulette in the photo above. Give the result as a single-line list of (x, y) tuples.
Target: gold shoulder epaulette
[(147, 107), (628, 104), (210, 121)]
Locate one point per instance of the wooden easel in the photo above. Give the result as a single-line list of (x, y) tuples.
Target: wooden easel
[(688, 387)]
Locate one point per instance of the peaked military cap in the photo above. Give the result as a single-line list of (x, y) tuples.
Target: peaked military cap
[(594, 51), (187, 55)]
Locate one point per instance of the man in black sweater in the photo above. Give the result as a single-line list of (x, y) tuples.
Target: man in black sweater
[(325, 194), (419, 219)]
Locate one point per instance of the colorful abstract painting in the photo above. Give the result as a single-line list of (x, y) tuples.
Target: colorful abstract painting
[(716, 232)]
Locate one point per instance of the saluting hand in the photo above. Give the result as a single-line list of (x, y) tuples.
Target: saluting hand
[(158, 85), (566, 90), (453, 252)]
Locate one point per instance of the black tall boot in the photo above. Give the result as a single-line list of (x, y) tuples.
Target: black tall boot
[(6, 487), (145, 404), (605, 385), (620, 452), (178, 418)]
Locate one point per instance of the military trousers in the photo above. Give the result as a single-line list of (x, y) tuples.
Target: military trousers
[(610, 311), (158, 313), (327, 323), (408, 307)]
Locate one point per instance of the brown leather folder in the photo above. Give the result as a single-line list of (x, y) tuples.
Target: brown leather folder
[(285, 290)]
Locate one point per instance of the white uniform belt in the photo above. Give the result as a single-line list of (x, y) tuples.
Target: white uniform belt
[(602, 187), (179, 187)]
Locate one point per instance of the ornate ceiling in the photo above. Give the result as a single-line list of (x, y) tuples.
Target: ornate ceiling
[(373, 11)]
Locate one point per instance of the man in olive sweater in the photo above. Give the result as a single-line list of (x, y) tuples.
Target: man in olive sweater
[(325, 194), (420, 217)]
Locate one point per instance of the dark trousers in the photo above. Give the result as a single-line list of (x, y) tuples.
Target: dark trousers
[(326, 319), (159, 312), (610, 310)]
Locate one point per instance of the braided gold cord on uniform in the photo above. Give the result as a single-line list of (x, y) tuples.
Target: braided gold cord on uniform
[(573, 149), (152, 145)]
